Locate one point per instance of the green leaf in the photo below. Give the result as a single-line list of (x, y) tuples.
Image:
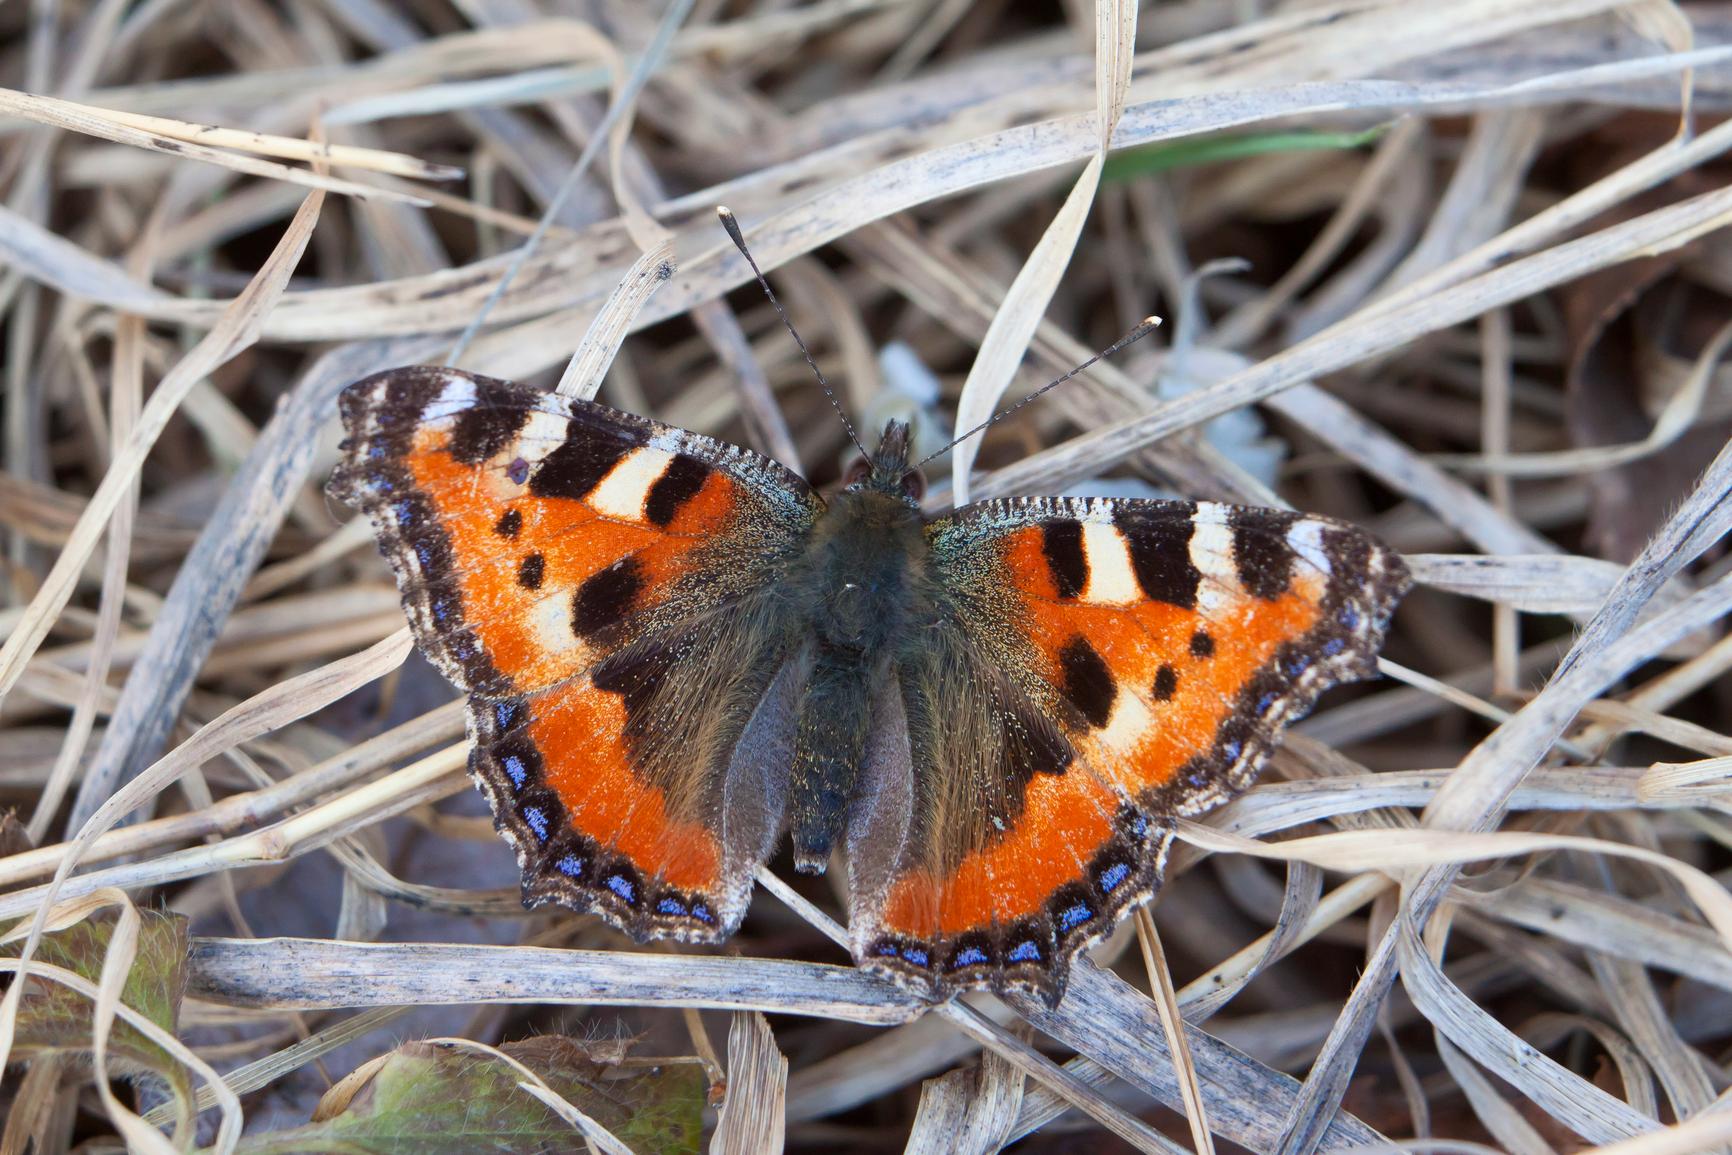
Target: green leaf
[(54, 1019), (431, 1098), (1198, 151)]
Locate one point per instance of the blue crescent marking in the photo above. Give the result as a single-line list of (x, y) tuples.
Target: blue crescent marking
[(971, 956), (1074, 916), (1112, 876)]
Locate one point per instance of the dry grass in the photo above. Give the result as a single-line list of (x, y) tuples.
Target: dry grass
[(1480, 904)]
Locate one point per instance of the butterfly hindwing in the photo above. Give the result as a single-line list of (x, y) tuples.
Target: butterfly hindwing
[(599, 585), (1099, 668)]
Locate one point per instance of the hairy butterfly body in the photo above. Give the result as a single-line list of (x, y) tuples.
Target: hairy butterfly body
[(676, 652)]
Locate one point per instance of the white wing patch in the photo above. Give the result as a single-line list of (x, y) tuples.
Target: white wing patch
[(1112, 581), (1212, 554), (623, 491), (457, 395), (1306, 539)]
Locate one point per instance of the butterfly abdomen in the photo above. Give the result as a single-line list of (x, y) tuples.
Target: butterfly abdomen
[(861, 584)]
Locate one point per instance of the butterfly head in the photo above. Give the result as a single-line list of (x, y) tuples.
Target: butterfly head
[(887, 469)]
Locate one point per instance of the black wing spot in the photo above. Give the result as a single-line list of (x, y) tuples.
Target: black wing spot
[(579, 463), (1202, 645), (1062, 542), (1160, 549), (1261, 555), (1088, 683), (1166, 684), (510, 523), (678, 484), (482, 430), (605, 597), (530, 572)]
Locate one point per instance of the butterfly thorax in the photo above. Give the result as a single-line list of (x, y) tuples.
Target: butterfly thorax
[(863, 572)]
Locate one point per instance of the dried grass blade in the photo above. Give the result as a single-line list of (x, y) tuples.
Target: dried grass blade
[(1483, 780), (1106, 1019), (1570, 1099), (600, 344), (754, 1116), (988, 1033), (286, 700), (1612, 925), (1709, 1131), (618, 116), (1392, 853), (968, 1111), (1455, 504), (1654, 1039), (31, 250), (117, 960), (429, 779), (312, 974), (101, 123), (228, 549), (229, 1130), (1503, 1121), (1535, 584), (1115, 56), (126, 390), (1207, 993), (1167, 1002), (419, 305), (1675, 419), (1060, 1080), (1013, 326), (43, 110), (261, 1073), (1599, 657), (1690, 783)]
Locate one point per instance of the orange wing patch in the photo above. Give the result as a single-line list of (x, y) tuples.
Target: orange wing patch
[(1065, 819), (590, 830), (602, 793)]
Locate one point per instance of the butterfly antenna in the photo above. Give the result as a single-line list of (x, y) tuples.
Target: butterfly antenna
[(734, 234), (1143, 328)]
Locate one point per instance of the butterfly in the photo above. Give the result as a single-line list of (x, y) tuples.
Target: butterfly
[(677, 653)]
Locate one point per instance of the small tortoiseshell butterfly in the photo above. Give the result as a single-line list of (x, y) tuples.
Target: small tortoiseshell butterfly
[(675, 651)]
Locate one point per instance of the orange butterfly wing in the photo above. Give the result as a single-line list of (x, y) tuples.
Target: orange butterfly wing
[(1102, 667), (564, 564)]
